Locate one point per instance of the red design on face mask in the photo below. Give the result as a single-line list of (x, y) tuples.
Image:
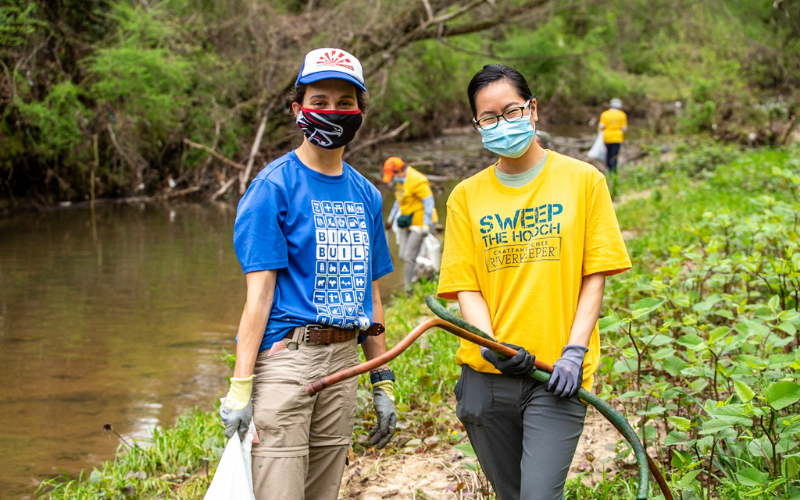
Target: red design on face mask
[(329, 128)]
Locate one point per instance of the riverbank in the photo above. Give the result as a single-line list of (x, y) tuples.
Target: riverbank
[(709, 313)]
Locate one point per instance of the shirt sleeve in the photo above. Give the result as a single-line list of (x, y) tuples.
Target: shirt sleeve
[(379, 255), (258, 237), (458, 273), (604, 249)]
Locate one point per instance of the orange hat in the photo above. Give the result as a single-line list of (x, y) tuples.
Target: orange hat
[(391, 166)]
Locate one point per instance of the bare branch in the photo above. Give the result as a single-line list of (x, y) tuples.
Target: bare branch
[(384, 137), (428, 9), (244, 178), (227, 185), (436, 28), (119, 148), (214, 154)]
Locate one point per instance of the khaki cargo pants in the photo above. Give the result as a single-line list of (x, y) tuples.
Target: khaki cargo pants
[(304, 440)]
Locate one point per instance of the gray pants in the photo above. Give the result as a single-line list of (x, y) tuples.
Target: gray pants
[(524, 436), (410, 243)]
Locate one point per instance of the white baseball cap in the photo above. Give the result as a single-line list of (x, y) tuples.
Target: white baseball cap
[(320, 64)]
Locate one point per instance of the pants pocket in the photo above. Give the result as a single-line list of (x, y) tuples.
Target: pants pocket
[(474, 396)]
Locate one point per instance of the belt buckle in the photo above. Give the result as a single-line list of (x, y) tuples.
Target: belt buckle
[(305, 333)]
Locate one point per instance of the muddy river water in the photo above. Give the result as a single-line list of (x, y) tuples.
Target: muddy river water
[(119, 316)]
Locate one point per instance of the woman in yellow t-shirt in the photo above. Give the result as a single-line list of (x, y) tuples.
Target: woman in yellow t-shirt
[(528, 244)]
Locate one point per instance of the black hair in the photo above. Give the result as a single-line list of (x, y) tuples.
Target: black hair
[(299, 92), (492, 73)]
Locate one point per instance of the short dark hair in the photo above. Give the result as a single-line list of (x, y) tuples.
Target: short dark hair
[(495, 72), (299, 92)]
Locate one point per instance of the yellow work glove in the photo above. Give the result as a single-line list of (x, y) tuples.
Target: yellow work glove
[(237, 409)]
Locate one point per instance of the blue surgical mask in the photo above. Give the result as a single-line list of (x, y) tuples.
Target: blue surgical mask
[(510, 138)]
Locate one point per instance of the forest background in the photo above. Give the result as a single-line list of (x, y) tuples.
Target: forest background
[(119, 98)]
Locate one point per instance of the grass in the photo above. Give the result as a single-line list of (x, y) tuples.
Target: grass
[(177, 462)]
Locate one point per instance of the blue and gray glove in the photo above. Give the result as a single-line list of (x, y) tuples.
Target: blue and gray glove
[(519, 366), (237, 409), (383, 401), (567, 374)]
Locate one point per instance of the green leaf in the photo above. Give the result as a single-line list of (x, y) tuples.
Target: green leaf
[(609, 323), (780, 360), (787, 327), (688, 479), (714, 426), (657, 340), (645, 307), (690, 341), (663, 353), (466, 449), (744, 391), (724, 313), (751, 327), (675, 438), (96, 477), (470, 466), (622, 366), (680, 423), (789, 316), (631, 394), (752, 477), (718, 333), (782, 394), (674, 365)]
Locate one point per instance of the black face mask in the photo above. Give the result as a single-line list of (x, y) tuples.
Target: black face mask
[(329, 129)]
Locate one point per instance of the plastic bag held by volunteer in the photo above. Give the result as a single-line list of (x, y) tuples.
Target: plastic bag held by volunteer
[(598, 150), (234, 478)]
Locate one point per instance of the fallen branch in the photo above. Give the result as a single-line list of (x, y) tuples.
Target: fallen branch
[(789, 129), (227, 185), (245, 176), (180, 192), (119, 148), (389, 135), (214, 154)]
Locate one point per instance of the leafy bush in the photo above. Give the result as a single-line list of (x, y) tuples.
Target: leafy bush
[(707, 352), (59, 121)]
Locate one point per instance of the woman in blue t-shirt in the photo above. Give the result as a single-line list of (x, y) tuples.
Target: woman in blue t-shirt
[(310, 240)]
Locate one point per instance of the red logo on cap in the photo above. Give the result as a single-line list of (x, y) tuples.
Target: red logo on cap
[(332, 59)]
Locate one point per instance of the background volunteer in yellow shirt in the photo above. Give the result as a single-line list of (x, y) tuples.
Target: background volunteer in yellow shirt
[(413, 211), (614, 124), (528, 244)]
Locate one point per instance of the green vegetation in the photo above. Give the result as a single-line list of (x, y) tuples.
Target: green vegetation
[(700, 345), (141, 78), (176, 463)]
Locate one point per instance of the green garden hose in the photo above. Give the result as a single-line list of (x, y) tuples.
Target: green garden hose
[(613, 416)]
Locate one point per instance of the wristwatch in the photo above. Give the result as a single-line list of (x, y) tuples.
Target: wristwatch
[(384, 374)]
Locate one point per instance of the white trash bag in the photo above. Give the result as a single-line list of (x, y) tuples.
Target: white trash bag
[(234, 477), (430, 254), (598, 150)]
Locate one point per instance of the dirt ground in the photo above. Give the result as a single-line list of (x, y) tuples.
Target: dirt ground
[(443, 473)]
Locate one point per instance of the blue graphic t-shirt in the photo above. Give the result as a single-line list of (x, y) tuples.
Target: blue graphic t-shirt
[(324, 234)]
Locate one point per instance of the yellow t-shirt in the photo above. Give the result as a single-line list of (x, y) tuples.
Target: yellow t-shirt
[(526, 250), (613, 119), (410, 194)]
